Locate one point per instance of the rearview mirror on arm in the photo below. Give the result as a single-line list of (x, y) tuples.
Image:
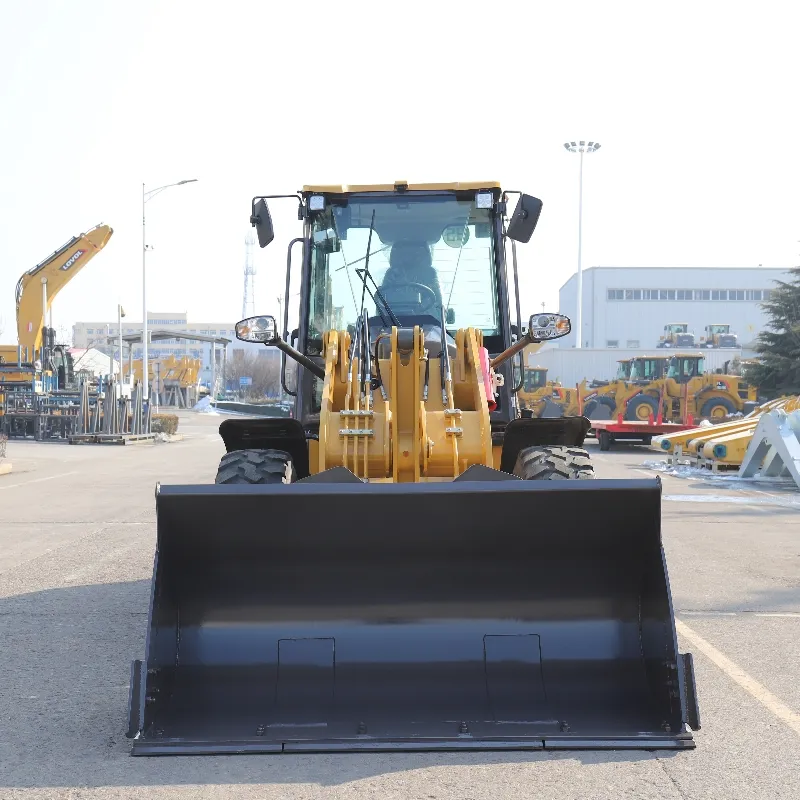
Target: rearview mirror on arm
[(264, 329), (524, 219), (544, 327), (261, 220), (541, 328), (257, 329)]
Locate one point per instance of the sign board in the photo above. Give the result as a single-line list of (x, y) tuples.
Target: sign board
[(245, 381)]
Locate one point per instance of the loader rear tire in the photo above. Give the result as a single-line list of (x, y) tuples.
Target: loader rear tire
[(553, 464), (256, 467)]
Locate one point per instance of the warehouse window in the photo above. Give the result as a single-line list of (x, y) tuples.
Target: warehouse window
[(616, 294), (766, 294), (684, 294), (702, 294), (91, 330), (719, 294), (736, 294), (612, 342), (632, 343), (666, 294)]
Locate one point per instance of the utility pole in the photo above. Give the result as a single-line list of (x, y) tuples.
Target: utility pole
[(120, 315), (149, 195), (580, 148)]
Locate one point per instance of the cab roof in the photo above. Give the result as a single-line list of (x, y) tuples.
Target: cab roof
[(345, 188)]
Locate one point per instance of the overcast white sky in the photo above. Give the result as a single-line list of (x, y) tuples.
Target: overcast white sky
[(695, 104)]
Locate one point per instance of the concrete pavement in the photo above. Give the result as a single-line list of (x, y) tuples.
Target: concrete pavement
[(76, 545)]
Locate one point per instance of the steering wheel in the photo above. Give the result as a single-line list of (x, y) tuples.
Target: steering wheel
[(423, 307)]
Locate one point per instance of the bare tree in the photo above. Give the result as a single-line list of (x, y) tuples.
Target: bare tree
[(263, 371)]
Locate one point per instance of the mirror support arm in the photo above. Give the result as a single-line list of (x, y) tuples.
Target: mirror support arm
[(516, 388), (311, 366), (515, 348)]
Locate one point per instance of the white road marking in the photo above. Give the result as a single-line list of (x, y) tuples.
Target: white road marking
[(38, 480), (737, 674), (707, 613), (789, 614)]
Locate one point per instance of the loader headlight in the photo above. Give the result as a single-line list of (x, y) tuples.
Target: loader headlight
[(483, 200), (316, 202), (257, 329), (548, 326)]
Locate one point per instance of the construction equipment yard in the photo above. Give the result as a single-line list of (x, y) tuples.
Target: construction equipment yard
[(76, 557)]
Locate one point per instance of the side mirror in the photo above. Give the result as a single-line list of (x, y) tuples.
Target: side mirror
[(450, 316), (524, 218), (257, 329), (544, 327), (261, 220)]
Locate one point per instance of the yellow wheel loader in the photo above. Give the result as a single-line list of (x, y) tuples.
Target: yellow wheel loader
[(543, 398), (407, 564)]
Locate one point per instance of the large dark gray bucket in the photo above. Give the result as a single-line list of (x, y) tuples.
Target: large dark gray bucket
[(328, 617)]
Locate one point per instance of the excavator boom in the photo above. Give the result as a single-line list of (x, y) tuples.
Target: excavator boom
[(55, 272)]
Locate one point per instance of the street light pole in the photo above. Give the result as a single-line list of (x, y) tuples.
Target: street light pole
[(580, 148), (149, 195)]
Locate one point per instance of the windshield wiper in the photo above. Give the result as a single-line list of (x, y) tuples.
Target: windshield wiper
[(378, 296), (364, 274)]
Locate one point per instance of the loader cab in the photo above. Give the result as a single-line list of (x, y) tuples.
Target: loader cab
[(682, 368), (535, 378), (428, 255), (623, 370), (646, 370)]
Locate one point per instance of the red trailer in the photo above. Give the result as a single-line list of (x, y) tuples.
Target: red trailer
[(609, 431)]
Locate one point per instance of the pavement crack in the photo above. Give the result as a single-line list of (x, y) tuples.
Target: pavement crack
[(672, 780)]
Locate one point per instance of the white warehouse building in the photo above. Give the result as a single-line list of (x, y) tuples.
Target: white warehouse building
[(628, 307)]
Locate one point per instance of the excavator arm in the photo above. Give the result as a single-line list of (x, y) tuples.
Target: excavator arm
[(55, 272)]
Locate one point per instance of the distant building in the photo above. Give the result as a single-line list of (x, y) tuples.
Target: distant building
[(92, 361), (95, 335), (628, 307)]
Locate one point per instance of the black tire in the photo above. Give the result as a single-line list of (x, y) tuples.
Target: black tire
[(717, 402), (553, 464), (635, 403), (604, 438), (599, 408), (256, 467)]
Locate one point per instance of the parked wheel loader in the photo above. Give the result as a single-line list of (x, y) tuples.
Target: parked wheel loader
[(407, 564), (676, 334), (719, 335), (540, 397), (679, 386)]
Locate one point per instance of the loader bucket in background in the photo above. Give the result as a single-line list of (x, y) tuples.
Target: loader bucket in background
[(350, 616)]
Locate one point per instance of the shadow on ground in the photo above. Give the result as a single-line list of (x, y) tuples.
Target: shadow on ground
[(63, 706)]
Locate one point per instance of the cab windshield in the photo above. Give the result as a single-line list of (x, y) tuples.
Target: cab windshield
[(428, 255), (685, 368), (646, 369), (535, 379), (624, 370)]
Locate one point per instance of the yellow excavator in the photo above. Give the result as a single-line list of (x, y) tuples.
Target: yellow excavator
[(407, 563), (37, 359)]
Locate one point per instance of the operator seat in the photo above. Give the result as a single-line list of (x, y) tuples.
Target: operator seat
[(410, 262)]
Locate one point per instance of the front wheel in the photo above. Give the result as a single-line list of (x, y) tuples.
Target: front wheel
[(553, 464), (717, 408), (256, 467)]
